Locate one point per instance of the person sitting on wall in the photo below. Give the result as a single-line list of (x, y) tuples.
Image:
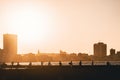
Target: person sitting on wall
[(108, 63), (92, 63), (70, 63), (80, 63), (60, 64), (12, 63)]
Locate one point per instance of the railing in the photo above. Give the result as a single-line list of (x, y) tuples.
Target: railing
[(17, 65)]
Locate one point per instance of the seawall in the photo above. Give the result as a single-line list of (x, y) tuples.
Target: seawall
[(88, 72)]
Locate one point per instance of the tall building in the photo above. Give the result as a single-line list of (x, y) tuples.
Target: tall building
[(112, 52), (100, 49), (10, 46)]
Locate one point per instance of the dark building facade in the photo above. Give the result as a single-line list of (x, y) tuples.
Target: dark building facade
[(100, 49), (10, 46), (112, 52)]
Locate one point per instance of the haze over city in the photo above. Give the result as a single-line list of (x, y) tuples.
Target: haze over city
[(59, 40), (53, 25)]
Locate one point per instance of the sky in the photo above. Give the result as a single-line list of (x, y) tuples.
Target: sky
[(54, 25)]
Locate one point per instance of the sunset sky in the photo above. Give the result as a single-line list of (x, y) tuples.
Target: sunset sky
[(68, 25)]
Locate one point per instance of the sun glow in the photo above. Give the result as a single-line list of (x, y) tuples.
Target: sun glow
[(31, 24)]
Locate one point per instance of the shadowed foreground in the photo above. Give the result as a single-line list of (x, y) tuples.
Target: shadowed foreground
[(62, 73)]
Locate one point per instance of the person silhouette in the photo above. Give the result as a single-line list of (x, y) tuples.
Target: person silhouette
[(12, 63), (92, 63), (17, 65), (108, 63), (30, 64), (80, 63), (70, 63), (60, 64)]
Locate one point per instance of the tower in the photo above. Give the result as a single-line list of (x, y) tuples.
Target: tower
[(100, 49), (10, 46)]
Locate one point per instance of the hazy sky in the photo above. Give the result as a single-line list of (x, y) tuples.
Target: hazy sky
[(68, 25)]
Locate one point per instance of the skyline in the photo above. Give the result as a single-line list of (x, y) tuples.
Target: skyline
[(9, 53), (50, 25), (10, 47)]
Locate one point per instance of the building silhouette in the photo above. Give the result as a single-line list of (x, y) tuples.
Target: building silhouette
[(112, 51), (118, 53), (100, 49), (10, 46)]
